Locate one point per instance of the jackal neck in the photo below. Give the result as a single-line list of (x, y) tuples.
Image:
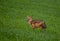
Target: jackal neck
[(30, 21)]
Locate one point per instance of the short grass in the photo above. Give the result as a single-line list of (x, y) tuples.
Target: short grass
[(14, 26)]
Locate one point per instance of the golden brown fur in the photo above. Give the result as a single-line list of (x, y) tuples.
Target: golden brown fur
[(36, 23)]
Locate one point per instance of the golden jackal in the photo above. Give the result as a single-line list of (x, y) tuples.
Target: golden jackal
[(36, 23)]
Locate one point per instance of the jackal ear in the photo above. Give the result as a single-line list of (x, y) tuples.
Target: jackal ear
[(28, 17)]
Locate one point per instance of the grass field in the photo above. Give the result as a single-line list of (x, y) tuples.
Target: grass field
[(14, 26)]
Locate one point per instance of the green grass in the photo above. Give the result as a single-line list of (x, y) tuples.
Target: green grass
[(13, 24)]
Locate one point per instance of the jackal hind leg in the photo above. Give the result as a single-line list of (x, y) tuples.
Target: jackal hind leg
[(40, 27)]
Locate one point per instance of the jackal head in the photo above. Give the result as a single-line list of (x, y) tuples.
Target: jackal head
[(29, 19)]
